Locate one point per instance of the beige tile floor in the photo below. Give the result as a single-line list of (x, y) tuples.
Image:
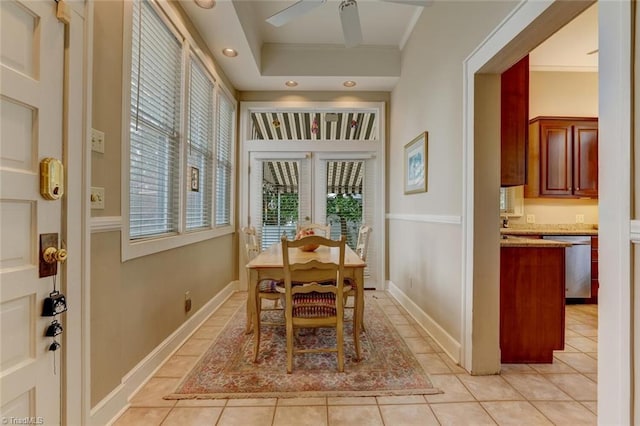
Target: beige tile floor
[(561, 393)]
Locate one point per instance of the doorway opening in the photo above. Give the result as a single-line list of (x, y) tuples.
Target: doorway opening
[(318, 163)]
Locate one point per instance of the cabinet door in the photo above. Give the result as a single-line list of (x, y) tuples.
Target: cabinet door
[(556, 158), (514, 123), (585, 159)]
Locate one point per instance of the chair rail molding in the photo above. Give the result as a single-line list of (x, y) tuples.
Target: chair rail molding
[(106, 223), (634, 234), (428, 218)]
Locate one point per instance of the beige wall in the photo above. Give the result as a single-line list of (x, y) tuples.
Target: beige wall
[(137, 304), (572, 94), (429, 97), (568, 94)]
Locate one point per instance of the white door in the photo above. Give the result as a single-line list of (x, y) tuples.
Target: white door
[(279, 194), (344, 194), (339, 189), (31, 112)]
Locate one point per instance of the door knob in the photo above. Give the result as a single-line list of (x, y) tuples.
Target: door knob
[(53, 255)]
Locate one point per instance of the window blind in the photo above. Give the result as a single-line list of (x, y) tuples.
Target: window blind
[(154, 128), (226, 116), (200, 149)]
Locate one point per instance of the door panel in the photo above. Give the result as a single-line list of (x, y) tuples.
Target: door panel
[(585, 171), (31, 121), (346, 198), (556, 159), (279, 195)]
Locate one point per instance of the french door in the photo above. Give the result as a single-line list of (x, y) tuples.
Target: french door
[(288, 189)]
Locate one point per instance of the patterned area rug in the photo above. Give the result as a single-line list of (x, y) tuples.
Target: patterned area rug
[(226, 369)]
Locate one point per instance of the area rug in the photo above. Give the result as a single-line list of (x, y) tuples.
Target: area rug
[(226, 369)]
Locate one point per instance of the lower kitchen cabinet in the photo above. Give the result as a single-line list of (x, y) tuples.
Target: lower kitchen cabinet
[(532, 303)]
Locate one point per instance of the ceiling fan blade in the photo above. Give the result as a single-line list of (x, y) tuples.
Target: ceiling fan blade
[(423, 3), (350, 23), (290, 13)]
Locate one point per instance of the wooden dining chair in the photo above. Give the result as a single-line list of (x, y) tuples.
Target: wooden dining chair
[(317, 228), (317, 298), (265, 290), (361, 250), (363, 241)]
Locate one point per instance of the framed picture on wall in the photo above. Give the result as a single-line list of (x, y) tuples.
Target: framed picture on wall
[(415, 165), (195, 179)]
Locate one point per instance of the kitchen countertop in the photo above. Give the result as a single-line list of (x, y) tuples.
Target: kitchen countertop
[(551, 229), (512, 241)]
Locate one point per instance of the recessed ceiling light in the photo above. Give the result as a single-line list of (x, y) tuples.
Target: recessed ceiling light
[(290, 83), (232, 53), (349, 83), (206, 4)]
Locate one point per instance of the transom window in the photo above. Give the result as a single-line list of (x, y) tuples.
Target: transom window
[(314, 125)]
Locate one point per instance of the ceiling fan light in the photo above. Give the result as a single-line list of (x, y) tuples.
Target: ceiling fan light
[(349, 83), (291, 83), (205, 4), (232, 53)]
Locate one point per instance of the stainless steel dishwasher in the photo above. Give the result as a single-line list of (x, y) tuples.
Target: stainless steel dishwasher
[(577, 264)]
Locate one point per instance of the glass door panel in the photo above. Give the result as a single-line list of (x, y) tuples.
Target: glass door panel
[(344, 201), (279, 197), (280, 200)]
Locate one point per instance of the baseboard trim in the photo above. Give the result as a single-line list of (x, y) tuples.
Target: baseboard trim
[(427, 218), (113, 405), (437, 333)]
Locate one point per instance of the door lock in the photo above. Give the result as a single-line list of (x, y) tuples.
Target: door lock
[(53, 255), (50, 255)]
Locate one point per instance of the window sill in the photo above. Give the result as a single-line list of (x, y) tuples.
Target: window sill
[(132, 250)]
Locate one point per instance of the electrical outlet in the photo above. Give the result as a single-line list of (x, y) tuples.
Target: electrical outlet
[(531, 218), (187, 301), (579, 218), (97, 141), (97, 197)]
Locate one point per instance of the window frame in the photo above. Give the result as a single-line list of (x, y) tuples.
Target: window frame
[(131, 249)]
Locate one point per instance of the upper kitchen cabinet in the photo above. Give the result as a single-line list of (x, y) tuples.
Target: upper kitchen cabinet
[(563, 157), (514, 122)]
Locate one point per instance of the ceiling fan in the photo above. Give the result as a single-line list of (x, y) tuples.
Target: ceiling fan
[(349, 16)]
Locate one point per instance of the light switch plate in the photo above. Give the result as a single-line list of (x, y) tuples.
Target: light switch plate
[(531, 218), (97, 141), (97, 197), (579, 218)]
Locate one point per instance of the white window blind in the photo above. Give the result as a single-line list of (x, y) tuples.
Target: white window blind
[(156, 65), (226, 116), (200, 148)]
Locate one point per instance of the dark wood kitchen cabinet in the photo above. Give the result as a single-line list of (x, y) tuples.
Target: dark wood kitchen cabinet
[(532, 303), (514, 123), (563, 157)]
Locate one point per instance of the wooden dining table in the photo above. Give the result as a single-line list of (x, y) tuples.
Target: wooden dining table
[(269, 265)]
